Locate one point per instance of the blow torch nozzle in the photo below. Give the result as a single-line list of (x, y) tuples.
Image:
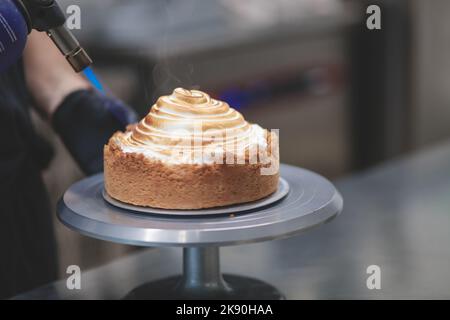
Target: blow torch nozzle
[(70, 48), (47, 16)]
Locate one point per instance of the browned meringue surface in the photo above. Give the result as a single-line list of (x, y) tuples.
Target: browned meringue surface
[(190, 120)]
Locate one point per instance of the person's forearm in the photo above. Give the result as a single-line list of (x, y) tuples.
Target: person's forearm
[(49, 77)]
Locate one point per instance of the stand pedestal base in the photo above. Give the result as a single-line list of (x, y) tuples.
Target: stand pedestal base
[(241, 288), (202, 280)]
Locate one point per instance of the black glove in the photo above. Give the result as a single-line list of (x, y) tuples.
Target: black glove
[(85, 121)]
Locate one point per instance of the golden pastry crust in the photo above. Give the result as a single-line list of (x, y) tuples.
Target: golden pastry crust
[(139, 180)]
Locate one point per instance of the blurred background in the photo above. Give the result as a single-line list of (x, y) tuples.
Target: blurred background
[(345, 98)]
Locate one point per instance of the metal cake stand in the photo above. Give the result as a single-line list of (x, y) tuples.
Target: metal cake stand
[(304, 200)]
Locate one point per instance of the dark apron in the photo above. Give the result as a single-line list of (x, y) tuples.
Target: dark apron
[(27, 243)]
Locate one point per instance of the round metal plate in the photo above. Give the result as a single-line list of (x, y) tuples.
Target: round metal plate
[(312, 200), (283, 190)]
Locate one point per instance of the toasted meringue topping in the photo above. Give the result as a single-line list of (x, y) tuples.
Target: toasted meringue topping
[(191, 119)]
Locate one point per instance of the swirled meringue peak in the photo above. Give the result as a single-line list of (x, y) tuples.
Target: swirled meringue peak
[(190, 127)]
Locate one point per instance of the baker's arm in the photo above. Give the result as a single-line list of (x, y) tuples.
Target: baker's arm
[(84, 118), (49, 77)]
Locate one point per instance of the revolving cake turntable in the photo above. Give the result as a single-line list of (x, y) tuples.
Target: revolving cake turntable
[(151, 196)]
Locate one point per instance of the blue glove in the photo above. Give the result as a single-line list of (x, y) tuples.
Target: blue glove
[(13, 34), (85, 121)]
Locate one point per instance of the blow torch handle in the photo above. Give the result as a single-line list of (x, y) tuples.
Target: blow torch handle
[(42, 15)]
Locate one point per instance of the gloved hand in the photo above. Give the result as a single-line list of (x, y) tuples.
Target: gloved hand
[(19, 17), (85, 121)]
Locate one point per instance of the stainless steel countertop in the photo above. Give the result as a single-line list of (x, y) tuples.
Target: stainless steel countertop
[(396, 216)]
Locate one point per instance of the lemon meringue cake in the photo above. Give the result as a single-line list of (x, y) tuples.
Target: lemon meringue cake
[(191, 152)]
